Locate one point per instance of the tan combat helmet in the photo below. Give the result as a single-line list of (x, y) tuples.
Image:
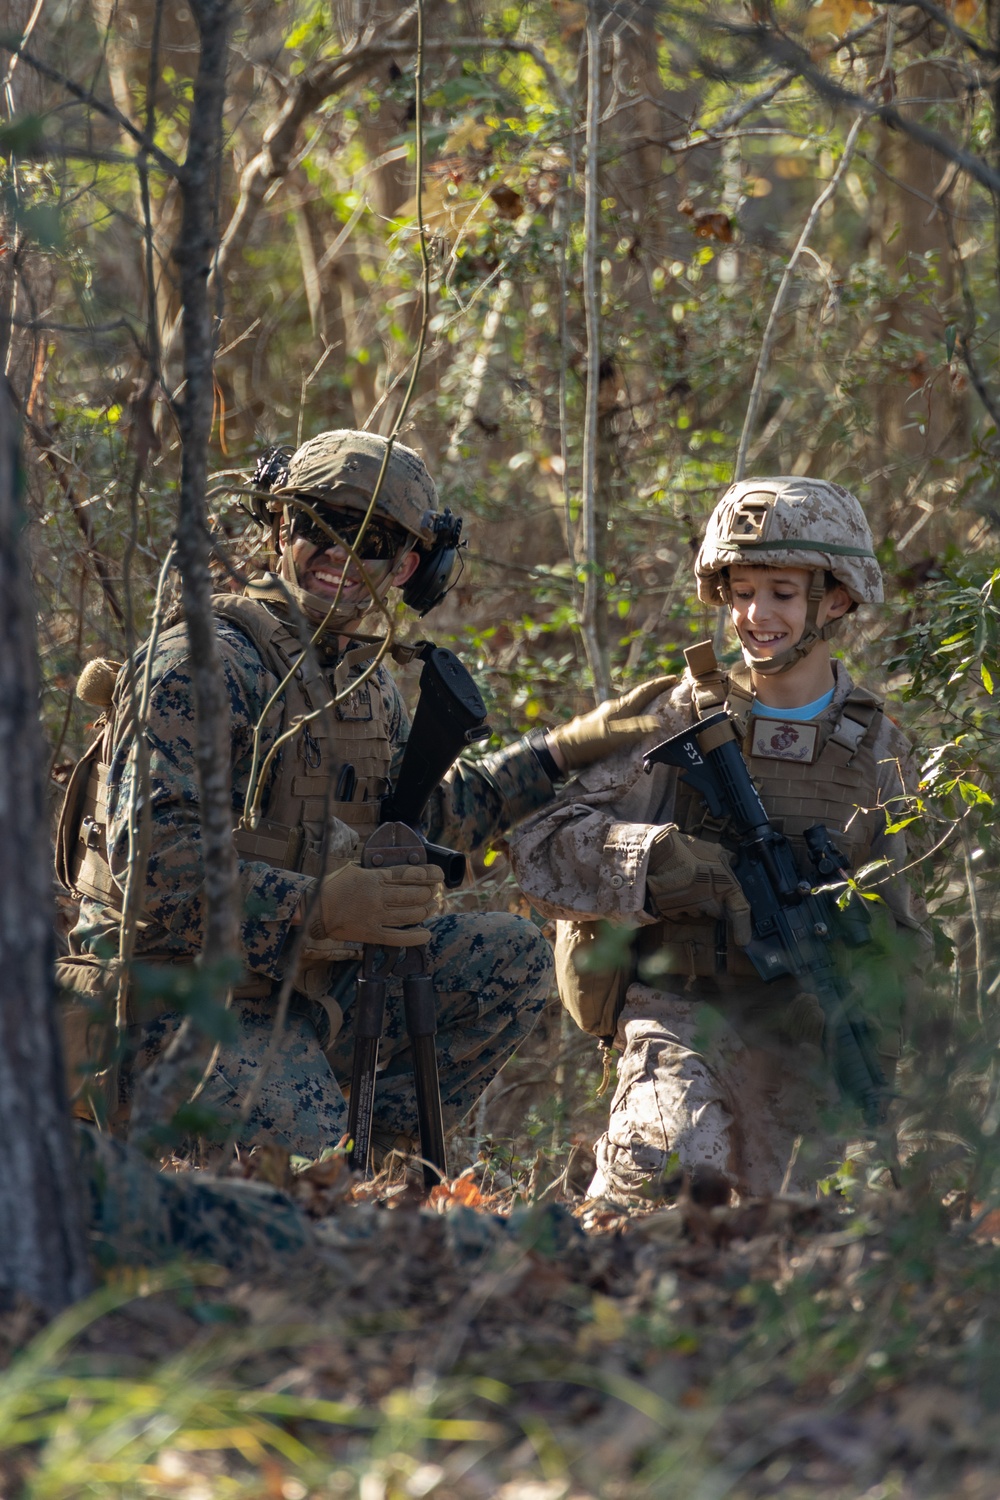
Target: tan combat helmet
[(341, 468), (790, 522)]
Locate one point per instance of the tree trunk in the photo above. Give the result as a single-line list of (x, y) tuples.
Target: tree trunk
[(993, 34), (43, 1255), (921, 416), (194, 253), (593, 518), (169, 1083)]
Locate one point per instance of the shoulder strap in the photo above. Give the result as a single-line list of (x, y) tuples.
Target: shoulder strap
[(740, 697), (709, 691), (263, 628), (277, 643), (859, 721), (715, 688)]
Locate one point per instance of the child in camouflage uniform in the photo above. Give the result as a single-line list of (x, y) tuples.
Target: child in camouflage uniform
[(720, 1072)]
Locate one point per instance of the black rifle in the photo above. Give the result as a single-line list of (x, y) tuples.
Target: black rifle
[(450, 716), (794, 926)]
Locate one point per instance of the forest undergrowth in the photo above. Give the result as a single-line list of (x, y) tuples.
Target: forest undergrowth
[(501, 1339), (659, 244), (504, 1336)]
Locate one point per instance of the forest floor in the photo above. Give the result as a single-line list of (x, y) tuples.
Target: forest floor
[(471, 1345)]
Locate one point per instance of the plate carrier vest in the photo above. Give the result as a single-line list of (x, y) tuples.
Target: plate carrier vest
[(839, 789), (289, 836)]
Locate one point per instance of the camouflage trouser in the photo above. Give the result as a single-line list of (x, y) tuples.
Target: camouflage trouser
[(690, 1083), (491, 973), (138, 1215)]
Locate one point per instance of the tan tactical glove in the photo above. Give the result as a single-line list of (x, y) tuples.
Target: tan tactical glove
[(613, 726), (691, 876), (804, 1020), (377, 906)]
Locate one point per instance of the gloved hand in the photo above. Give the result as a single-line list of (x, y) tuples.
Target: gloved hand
[(614, 725), (804, 1020), (691, 876), (377, 906)]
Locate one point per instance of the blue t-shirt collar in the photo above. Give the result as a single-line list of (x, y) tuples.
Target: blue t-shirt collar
[(807, 711)]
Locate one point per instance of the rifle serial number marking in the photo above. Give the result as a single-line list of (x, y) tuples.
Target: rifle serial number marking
[(692, 754)]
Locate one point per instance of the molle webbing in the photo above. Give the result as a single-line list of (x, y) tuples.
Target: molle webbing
[(838, 789), (289, 835), (310, 767)]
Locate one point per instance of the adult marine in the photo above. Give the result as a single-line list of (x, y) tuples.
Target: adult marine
[(720, 1073), (491, 970)]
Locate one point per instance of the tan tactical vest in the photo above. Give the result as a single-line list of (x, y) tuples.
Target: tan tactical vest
[(354, 733), (348, 743), (838, 789)]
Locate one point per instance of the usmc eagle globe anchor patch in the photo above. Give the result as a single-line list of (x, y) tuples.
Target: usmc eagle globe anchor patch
[(784, 739)]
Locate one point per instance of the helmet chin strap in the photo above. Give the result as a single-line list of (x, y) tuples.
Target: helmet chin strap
[(812, 632), (314, 606)]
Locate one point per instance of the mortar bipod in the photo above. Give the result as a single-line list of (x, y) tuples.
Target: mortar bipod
[(395, 844)]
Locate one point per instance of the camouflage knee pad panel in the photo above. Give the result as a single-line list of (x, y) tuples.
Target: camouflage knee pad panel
[(689, 1083)]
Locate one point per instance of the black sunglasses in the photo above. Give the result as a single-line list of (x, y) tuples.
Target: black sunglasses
[(380, 543)]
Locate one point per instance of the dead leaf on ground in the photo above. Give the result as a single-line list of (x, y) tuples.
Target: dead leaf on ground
[(460, 1191)]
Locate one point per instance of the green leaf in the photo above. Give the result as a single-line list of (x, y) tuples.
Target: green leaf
[(987, 677), (22, 135), (950, 335), (973, 795)]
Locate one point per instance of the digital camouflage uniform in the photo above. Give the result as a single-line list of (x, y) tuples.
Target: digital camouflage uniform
[(491, 970), (138, 1215), (707, 1070), (717, 1066)]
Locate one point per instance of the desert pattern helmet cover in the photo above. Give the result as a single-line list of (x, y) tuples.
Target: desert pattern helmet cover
[(789, 522), (342, 468)]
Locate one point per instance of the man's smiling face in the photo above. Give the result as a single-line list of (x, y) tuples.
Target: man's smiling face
[(323, 567)]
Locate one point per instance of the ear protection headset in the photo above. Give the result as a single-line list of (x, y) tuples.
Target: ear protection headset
[(439, 560)]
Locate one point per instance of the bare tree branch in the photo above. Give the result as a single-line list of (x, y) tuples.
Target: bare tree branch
[(781, 49), (592, 590), (45, 442), (935, 12), (320, 82), (100, 106), (770, 332), (964, 341), (315, 84)]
